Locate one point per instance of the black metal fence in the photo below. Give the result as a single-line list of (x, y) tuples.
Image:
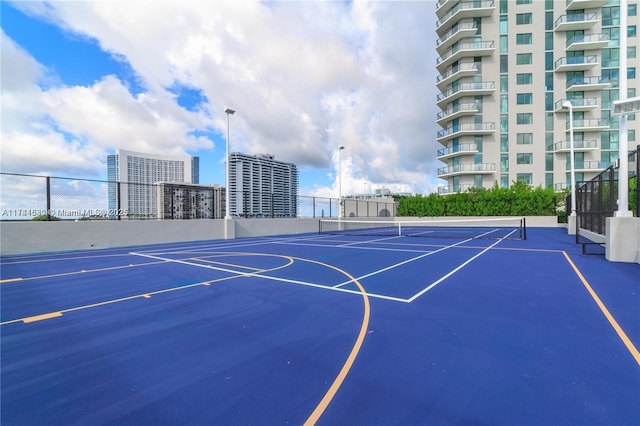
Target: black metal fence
[(32, 197), (596, 200)]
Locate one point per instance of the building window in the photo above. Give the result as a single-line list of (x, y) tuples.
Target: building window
[(632, 10), (610, 58), (631, 73), (524, 78), (631, 52), (631, 31), (548, 61), (524, 118), (548, 40), (548, 81), (504, 143), (504, 64), (504, 44), (548, 180), (504, 6), (611, 16), (504, 180), (524, 18), (524, 58), (548, 162), (524, 138), (524, 158), (524, 38), (504, 162), (504, 84), (504, 122), (504, 103), (614, 35), (549, 119), (523, 1), (524, 98), (525, 177), (504, 25), (548, 21), (548, 101)]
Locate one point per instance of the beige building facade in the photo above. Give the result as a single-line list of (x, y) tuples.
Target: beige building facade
[(507, 67)]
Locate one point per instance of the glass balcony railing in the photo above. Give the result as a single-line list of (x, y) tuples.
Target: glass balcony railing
[(465, 107), (470, 127), (467, 168), (462, 148)]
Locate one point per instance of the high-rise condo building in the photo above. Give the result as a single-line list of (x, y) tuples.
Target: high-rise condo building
[(137, 172), (507, 67), (261, 186)]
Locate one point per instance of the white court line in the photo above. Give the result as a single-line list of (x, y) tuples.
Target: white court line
[(253, 274), (403, 263), (369, 241), (426, 289), (345, 246)]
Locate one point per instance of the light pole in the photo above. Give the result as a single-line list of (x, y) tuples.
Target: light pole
[(340, 148), (568, 105), (229, 111)]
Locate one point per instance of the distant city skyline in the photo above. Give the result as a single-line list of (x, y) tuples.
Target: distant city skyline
[(81, 79)]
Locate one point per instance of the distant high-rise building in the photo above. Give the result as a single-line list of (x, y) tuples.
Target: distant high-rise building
[(262, 186), (506, 67), (189, 201), (137, 172)]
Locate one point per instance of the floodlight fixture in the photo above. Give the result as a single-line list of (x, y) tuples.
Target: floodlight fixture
[(626, 106)]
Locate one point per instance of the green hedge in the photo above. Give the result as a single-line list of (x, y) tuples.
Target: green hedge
[(518, 200)]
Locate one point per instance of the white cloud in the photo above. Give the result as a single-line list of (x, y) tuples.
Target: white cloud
[(303, 76)]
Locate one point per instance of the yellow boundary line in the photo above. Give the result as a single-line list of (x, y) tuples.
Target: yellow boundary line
[(333, 389), (136, 296), (623, 336)]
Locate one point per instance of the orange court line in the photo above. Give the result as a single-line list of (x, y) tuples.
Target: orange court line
[(623, 336)]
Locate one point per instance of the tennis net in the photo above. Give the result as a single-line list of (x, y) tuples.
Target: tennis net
[(511, 228)]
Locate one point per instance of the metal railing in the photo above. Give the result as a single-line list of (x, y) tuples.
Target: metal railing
[(32, 197), (596, 200)]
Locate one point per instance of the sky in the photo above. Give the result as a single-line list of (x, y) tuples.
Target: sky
[(82, 79)]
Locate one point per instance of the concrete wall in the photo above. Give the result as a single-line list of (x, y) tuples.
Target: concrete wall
[(43, 237)]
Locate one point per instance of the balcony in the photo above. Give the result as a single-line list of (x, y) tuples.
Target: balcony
[(465, 129), (578, 146), (453, 189), (576, 63), (584, 4), (588, 166), (588, 42), (583, 104), (587, 83), (443, 6), (467, 169), (589, 125), (465, 89), (465, 50), (457, 111), (578, 21), (455, 73), (458, 32), (456, 151), (464, 10)]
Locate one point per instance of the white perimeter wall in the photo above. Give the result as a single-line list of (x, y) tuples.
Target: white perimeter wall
[(44, 237)]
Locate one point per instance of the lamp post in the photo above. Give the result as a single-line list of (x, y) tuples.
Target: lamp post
[(340, 148), (229, 111), (568, 105)]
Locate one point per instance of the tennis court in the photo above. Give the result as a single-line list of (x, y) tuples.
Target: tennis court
[(328, 328)]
